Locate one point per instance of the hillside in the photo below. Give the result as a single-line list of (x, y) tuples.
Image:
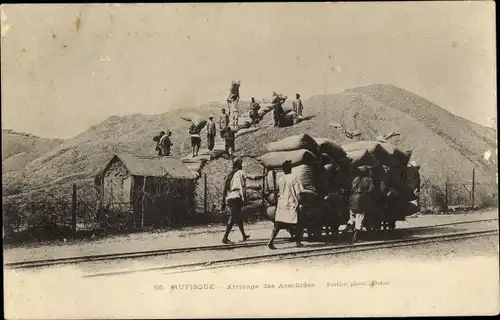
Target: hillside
[(446, 146), (87, 153), (18, 149)]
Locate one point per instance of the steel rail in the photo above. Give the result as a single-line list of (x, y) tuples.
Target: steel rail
[(302, 253), (151, 253)]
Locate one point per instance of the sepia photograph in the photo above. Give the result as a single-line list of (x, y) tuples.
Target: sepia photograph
[(249, 160)]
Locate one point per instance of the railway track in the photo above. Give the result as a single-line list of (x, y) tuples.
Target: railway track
[(166, 252), (304, 253)]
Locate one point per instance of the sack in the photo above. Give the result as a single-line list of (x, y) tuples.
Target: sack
[(287, 109), (245, 131), (270, 183), (268, 108), (332, 149), (233, 195), (362, 158), (305, 174), (277, 98), (245, 125), (309, 198), (385, 153), (196, 119), (252, 195), (326, 159), (271, 213), (374, 147), (156, 139), (411, 177), (273, 160), (297, 142), (271, 199), (396, 156), (287, 120), (298, 119), (234, 88)]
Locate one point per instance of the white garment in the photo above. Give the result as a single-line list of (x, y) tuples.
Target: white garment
[(238, 186), (288, 201), (360, 217), (356, 219)]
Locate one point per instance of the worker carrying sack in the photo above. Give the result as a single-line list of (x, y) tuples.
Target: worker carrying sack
[(296, 142)]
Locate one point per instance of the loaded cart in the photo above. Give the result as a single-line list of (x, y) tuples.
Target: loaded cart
[(326, 172), (324, 207), (322, 214)]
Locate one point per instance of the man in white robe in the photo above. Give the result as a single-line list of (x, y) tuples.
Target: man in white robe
[(288, 206)]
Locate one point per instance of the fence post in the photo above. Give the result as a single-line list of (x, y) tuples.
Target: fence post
[(143, 204), (263, 189), (473, 186), (418, 193), (446, 194), (73, 210), (205, 200), (274, 185)]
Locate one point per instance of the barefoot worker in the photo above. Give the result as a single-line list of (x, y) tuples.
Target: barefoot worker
[(234, 195), (288, 207), (360, 200)]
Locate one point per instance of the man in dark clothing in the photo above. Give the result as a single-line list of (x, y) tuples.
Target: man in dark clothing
[(229, 138), (254, 112), (157, 140), (277, 102), (234, 196), (194, 132), (361, 200), (166, 143), (211, 133)]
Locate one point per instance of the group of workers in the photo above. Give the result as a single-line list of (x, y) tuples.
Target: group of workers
[(290, 207), (278, 100), (163, 143), (226, 133), (287, 209), (227, 127)]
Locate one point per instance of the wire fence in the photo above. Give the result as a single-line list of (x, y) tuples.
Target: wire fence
[(457, 195), (66, 211)]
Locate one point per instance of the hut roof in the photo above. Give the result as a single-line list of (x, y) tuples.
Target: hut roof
[(154, 166)]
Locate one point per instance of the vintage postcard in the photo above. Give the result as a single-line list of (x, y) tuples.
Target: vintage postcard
[(235, 160)]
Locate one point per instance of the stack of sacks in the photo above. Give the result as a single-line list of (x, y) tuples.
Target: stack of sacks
[(301, 150), (196, 119), (398, 175), (384, 153)]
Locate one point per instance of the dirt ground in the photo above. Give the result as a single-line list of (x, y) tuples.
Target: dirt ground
[(192, 237), (431, 279)]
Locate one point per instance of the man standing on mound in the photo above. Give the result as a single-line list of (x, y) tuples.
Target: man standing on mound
[(234, 97), (194, 132)]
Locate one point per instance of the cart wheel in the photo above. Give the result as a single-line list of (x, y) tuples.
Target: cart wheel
[(310, 235), (392, 225)]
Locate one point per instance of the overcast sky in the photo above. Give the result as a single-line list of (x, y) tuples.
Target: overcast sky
[(65, 68)]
